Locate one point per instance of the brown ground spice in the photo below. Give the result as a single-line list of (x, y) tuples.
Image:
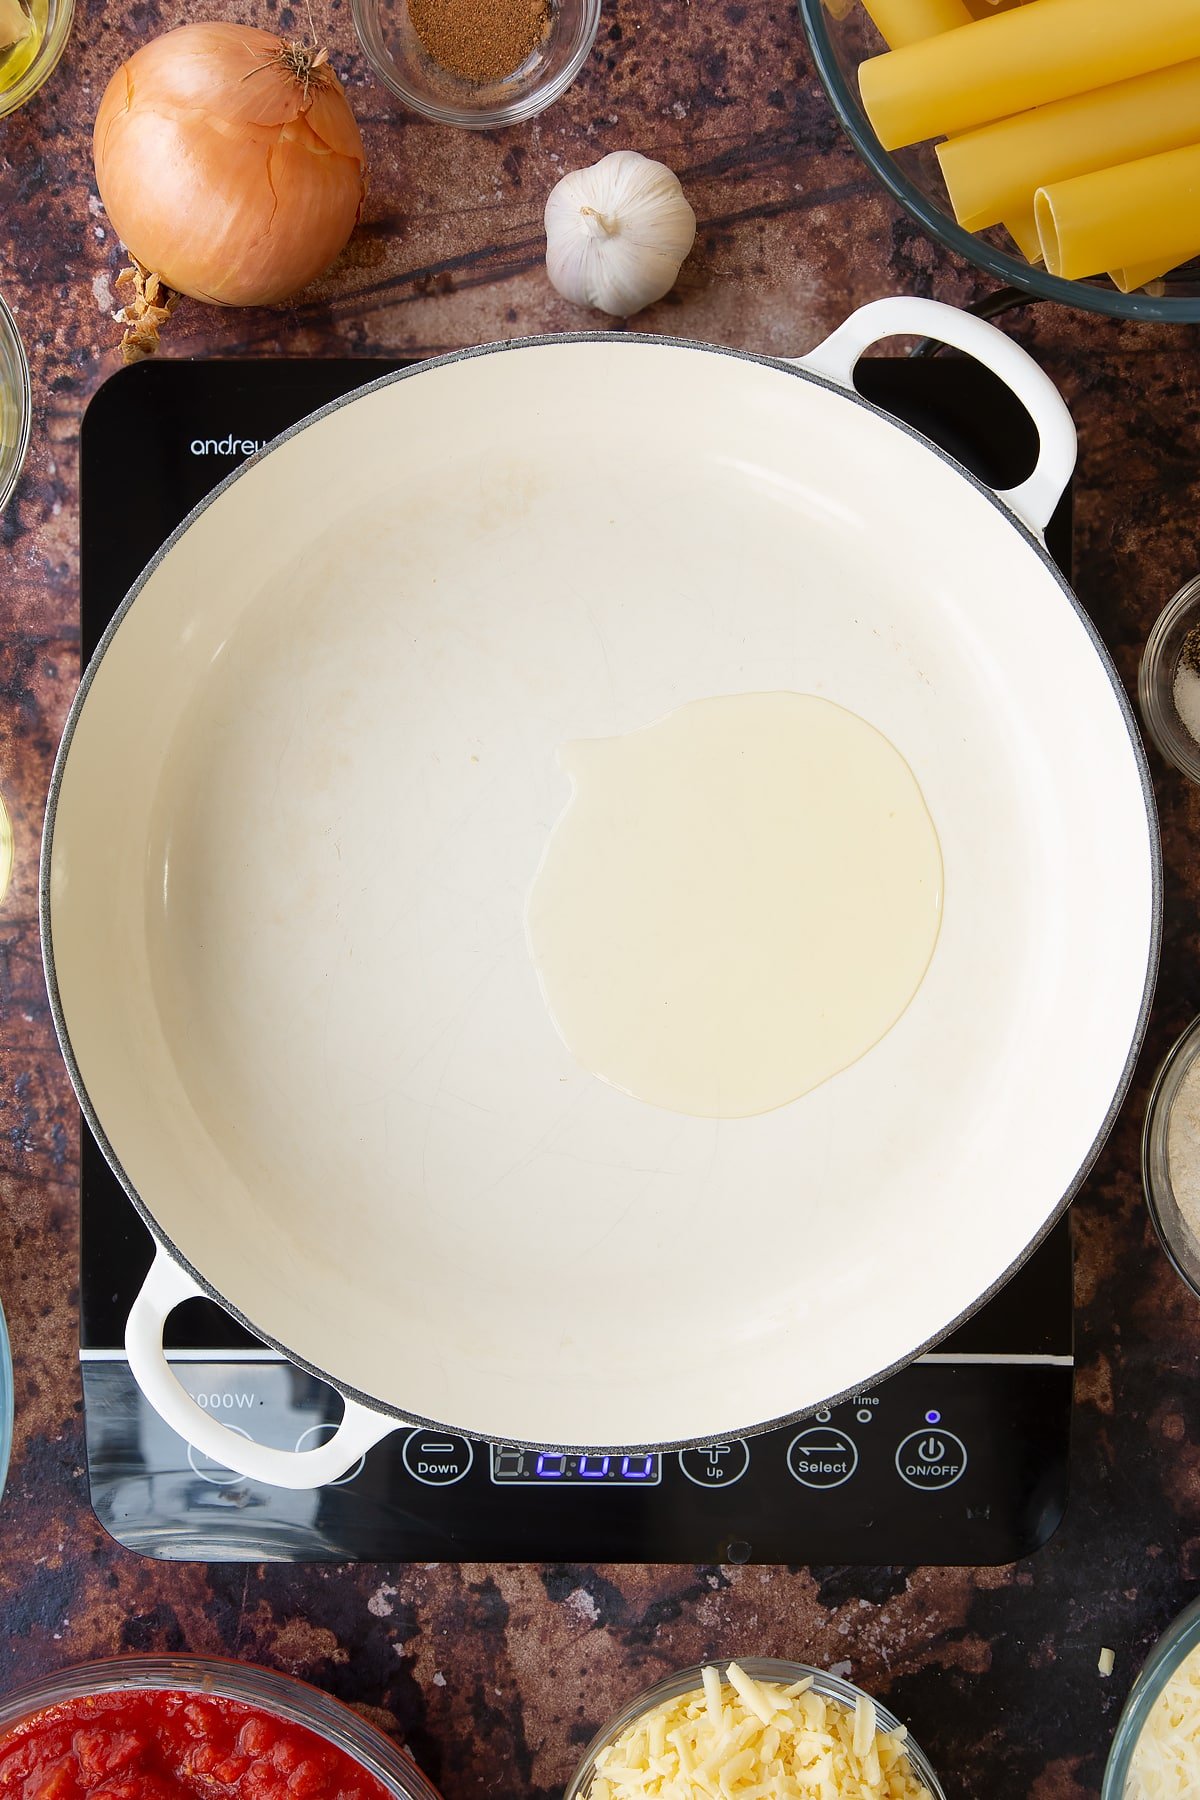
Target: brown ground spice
[(1189, 650), (481, 40)]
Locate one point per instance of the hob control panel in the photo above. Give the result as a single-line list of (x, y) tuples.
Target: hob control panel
[(945, 1462)]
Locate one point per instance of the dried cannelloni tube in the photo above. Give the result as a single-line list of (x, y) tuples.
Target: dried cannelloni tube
[(1139, 275), (1129, 218), (907, 22), (994, 171), (1021, 227), (901, 22), (1028, 57)]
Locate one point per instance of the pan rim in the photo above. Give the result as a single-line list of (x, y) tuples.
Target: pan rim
[(781, 366)]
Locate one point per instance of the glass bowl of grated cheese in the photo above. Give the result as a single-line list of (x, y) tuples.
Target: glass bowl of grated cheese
[(757, 1726), (1171, 1155), (1155, 1752)]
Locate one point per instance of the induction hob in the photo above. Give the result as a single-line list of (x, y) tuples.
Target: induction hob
[(960, 1458)]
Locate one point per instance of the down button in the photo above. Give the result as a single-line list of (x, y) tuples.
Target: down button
[(437, 1458)]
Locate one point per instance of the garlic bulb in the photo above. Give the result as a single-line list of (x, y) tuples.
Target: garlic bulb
[(617, 233)]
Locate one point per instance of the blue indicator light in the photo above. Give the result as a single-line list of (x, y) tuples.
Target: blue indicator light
[(593, 1474), (545, 1469), (630, 1473), (933, 1417)]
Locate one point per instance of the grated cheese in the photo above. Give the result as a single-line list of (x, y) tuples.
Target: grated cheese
[(1166, 1758), (1107, 1662), (754, 1740)]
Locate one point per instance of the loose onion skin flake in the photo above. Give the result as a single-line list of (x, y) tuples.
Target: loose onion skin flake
[(229, 162), (756, 1740)]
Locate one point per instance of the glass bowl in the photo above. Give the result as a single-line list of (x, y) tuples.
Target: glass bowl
[(6, 1401), (16, 404), (913, 177), (1176, 1642), (1156, 679), (395, 52), (282, 1695), (759, 1668), (52, 19), (1178, 1240)]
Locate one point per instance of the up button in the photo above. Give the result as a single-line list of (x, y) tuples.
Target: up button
[(931, 1459)]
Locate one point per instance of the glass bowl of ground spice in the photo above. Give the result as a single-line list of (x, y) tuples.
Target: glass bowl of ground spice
[(480, 66), (1169, 681), (1171, 1155)]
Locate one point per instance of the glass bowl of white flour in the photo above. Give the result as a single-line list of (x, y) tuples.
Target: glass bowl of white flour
[(1171, 1155), (1169, 680)]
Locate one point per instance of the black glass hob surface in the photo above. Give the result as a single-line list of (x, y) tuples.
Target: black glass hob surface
[(960, 1458)]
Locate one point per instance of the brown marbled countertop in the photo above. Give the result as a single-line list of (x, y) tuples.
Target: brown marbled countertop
[(494, 1675)]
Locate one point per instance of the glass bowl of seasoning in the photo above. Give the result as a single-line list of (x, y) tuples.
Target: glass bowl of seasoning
[(16, 404), (1156, 1746), (1171, 1155), (33, 35), (1169, 680), (460, 63), (189, 1727)]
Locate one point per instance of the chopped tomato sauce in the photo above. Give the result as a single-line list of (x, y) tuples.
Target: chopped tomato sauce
[(151, 1744)]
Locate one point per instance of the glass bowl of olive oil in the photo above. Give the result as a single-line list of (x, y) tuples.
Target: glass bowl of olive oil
[(16, 404), (33, 35)]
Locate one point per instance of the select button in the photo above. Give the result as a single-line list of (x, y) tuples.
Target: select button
[(822, 1457), (437, 1458), (929, 1460)]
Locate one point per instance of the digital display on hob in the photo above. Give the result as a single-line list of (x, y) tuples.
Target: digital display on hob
[(544, 1467)]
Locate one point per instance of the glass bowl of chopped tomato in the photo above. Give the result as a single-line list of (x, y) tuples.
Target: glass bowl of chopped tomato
[(672, 1721), (193, 1728)]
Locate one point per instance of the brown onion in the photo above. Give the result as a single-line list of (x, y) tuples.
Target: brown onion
[(229, 162)]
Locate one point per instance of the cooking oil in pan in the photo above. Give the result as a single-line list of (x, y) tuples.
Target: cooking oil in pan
[(736, 903)]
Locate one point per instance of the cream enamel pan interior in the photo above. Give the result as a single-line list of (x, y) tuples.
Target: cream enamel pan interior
[(307, 786)]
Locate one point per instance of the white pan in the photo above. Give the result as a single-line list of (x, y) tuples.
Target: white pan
[(307, 783)]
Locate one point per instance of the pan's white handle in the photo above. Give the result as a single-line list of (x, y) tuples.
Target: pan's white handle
[(1035, 499), (162, 1291)]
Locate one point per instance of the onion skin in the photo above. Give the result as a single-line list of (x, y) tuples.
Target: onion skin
[(222, 170)]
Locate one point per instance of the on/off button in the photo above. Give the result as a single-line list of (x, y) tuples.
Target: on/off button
[(928, 1460)]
